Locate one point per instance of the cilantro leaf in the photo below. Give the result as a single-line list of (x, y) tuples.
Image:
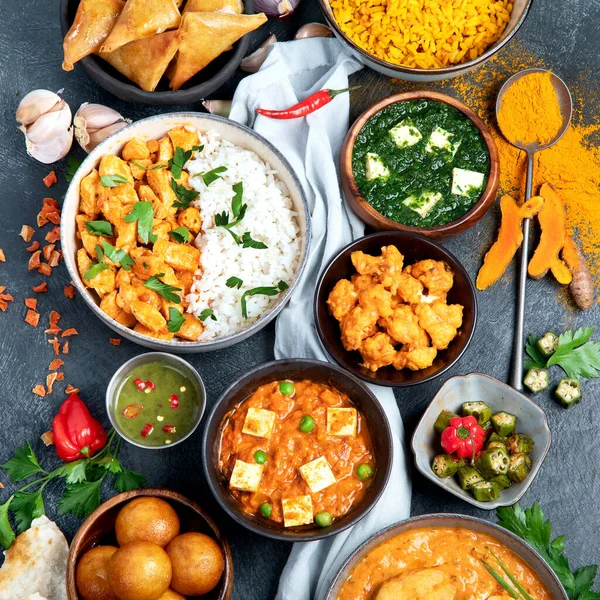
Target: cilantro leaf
[(112, 181), (129, 480), (7, 535), (74, 472), (27, 506), (103, 228), (72, 165), (143, 213), (176, 320), (164, 289), (24, 464), (181, 235), (180, 157), (222, 219), (263, 291), (184, 196), (236, 203), (118, 256), (152, 168), (94, 270), (206, 313), (248, 242), (212, 175), (234, 282), (80, 499)]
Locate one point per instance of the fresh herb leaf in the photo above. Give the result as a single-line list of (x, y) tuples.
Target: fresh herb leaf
[(118, 256), (180, 157), (129, 480), (103, 228), (212, 175), (7, 535), (181, 235), (537, 359), (262, 291), (222, 219), (206, 313), (112, 181), (236, 203), (500, 580), (164, 289), (74, 472), (197, 148), (234, 282), (80, 499), (152, 168), (99, 253), (72, 165), (27, 506), (519, 591), (143, 213), (282, 285), (24, 464), (94, 270), (184, 196), (248, 242), (176, 320)]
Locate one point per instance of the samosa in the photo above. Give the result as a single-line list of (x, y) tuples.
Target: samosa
[(226, 6)]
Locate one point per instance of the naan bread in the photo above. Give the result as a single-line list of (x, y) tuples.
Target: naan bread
[(36, 564)]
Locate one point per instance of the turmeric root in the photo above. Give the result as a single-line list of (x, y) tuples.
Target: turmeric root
[(510, 237), (553, 223), (582, 286)]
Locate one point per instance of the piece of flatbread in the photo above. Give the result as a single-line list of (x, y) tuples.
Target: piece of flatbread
[(36, 563)]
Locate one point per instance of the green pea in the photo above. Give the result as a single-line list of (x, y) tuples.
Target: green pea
[(323, 519), (287, 388), (265, 510), (307, 424), (364, 471), (260, 457)]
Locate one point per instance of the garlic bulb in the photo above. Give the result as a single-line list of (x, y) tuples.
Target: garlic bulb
[(253, 62), (94, 123), (45, 119)]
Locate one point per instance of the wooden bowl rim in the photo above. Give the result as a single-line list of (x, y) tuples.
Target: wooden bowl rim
[(370, 215), (170, 495)]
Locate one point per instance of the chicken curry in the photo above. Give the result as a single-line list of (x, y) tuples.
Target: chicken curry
[(395, 314), (437, 564)]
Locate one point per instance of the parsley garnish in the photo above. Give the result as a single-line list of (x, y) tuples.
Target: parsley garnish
[(212, 175), (181, 235), (248, 242), (184, 196), (238, 209), (152, 168), (117, 256), (112, 181), (164, 289), (72, 165), (263, 291), (207, 312), (143, 213), (180, 157), (103, 228), (94, 270), (236, 203), (234, 282), (176, 320)]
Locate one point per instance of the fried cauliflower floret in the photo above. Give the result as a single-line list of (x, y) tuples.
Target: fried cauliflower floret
[(451, 313), (435, 275), (392, 263), (422, 584), (342, 299), (408, 289), (377, 351), (403, 326), (439, 329), (365, 264), (357, 326), (376, 298), (415, 359), (361, 282)]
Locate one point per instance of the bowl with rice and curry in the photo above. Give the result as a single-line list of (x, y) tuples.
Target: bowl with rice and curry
[(185, 232)]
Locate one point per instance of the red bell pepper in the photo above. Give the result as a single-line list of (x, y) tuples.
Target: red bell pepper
[(463, 437), (76, 433)]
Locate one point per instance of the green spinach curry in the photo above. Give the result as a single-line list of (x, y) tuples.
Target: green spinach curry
[(420, 163)]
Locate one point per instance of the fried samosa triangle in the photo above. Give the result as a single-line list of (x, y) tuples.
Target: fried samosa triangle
[(204, 37), (145, 61), (226, 6), (141, 19), (93, 22)]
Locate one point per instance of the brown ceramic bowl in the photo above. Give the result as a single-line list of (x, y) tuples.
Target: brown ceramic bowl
[(413, 248), (320, 372), (99, 529), (380, 223)]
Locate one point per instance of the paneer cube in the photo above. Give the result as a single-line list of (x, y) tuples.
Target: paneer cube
[(440, 139), (317, 474), (342, 422), (297, 510), (465, 182), (405, 134), (246, 476), (259, 422), (374, 167), (424, 203)]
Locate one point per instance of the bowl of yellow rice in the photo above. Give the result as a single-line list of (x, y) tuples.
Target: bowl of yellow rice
[(425, 40)]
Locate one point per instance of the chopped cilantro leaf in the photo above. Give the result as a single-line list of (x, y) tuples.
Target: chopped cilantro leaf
[(112, 181), (164, 289), (181, 235), (103, 228), (143, 213), (176, 320)]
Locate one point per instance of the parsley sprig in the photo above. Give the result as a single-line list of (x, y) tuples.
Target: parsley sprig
[(184, 196), (101, 228), (150, 168), (236, 282), (143, 213), (180, 158), (96, 267), (116, 256), (82, 479), (206, 313), (72, 165), (164, 289), (181, 235), (176, 320), (112, 181)]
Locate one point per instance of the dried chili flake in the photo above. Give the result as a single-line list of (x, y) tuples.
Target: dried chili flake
[(71, 390), (69, 291), (47, 438), (32, 318), (55, 345), (39, 390), (55, 364), (45, 269), (34, 246), (53, 235), (27, 233), (55, 258), (69, 332), (34, 261), (47, 250), (50, 212), (65, 348), (50, 179), (54, 317), (2, 256), (60, 376), (31, 303), (53, 330), (38, 289), (50, 379), (2, 288), (115, 341)]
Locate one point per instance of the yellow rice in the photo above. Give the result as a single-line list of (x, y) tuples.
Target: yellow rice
[(426, 34)]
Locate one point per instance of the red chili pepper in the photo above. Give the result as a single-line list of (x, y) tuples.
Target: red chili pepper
[(76, 433), (147, 430), (131, 411), (140, 384), (174, 400), (150, 385), (306, 107), (169, 429), (463, 437)]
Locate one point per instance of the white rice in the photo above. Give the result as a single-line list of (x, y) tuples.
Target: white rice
[(269, 219)]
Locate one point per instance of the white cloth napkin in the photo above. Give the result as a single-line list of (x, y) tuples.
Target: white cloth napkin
[(293, 71)]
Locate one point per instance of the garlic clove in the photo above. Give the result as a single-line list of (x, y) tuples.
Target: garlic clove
[(48, 125), (35, 104), (53, 149), (88, 140), (311, 30), (94, 123), (253, 62), (217, 107)]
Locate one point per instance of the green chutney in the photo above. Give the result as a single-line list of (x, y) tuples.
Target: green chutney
[(157, 404), (415, 169)]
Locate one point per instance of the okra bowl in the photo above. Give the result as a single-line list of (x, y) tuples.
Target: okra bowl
[(516, 441)]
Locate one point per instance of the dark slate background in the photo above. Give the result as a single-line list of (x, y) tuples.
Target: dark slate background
[(565, 34)]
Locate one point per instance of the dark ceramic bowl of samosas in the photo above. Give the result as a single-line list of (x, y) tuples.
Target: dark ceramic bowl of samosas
[(414, 248), (204, 83)]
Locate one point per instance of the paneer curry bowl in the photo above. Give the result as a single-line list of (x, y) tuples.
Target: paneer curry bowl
[(297, 450), (185, 232)]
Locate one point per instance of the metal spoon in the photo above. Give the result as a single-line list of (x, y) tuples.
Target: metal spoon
[(566, 109)]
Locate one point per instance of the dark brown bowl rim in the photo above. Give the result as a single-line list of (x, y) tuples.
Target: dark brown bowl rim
[(449, 71), (75, 547), (356, 245), (306, 535), (478, 210), (132, 93)]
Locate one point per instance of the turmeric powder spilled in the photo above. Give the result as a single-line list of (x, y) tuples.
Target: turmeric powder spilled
[(530, 110)]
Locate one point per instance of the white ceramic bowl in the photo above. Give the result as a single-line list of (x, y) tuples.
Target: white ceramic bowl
[(531, 420), (155, 128)]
